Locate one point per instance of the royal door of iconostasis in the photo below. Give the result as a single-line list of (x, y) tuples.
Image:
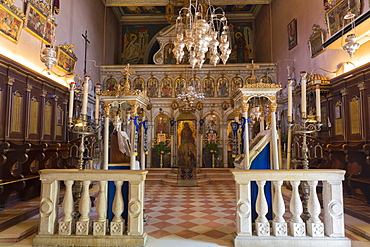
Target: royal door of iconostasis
[(186, 143)]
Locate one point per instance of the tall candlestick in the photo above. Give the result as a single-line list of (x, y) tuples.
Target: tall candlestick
[(303, 92), (290, 100), (85, 95), (97, 103), (318, 101), (71, 99)]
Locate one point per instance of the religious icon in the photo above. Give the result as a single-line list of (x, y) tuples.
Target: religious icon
[(162, 124), (153, 87), (187, 149), (292, 34), (161, 137), (166, 87), (223, 87), (10, 24), (208, 87)]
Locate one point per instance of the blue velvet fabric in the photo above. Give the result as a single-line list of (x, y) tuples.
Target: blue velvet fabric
[(112, 192), (261, 162)]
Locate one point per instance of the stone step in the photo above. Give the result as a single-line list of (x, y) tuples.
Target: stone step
[(173, 182), (17, 213), (357, 226), (20, 231), (174, 175)]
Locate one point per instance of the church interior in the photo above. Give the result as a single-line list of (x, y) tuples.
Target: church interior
[(181, 122)]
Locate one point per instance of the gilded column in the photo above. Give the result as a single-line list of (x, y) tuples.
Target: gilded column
[(142, 154), (106, 136), (245, 108), (132, 137), (274, 137)]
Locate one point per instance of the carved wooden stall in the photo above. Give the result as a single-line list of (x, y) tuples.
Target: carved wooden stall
[(349, 135), (32, 130)]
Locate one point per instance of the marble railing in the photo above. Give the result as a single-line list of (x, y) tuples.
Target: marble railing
[(287, 227), (88, 230)]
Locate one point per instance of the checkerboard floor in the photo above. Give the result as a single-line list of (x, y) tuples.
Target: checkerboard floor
[(204, 214), (198, 216)]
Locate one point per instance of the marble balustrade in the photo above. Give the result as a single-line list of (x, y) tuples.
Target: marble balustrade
[(293, 231), (84, 231)]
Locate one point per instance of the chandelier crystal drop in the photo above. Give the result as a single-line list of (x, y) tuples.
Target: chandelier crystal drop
[(202, 28)]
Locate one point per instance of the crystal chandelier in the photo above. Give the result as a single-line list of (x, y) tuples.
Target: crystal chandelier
[(202, 28), (351, 40), (189, 97)]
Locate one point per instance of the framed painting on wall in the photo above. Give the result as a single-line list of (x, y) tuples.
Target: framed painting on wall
[(334, 17), (10, 24), (316, 40), (292, 34), (37, 24), (66, 59)]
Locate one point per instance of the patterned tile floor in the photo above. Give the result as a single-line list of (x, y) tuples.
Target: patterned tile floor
[(198, 216), (204, 214)]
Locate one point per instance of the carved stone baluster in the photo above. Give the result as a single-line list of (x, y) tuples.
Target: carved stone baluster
[(117, 224), (65, 225), (262, 224), (297, 226), (279, 226), (48, 206), (100, 225), (82, 226), (243, 209), (333, 208), (315, 228), (135, 208)]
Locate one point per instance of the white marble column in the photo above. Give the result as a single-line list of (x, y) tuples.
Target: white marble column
[(106, 137), (245, 107), (274, 137)]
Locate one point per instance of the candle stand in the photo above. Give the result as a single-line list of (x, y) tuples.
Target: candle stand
[(82, 127), (309, 124)]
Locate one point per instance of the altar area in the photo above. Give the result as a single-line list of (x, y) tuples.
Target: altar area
[(199, 134)]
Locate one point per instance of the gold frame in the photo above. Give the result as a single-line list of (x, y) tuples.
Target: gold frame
[(316, 40), (40, 20), (3, 11), (334, 17), (66, 59)]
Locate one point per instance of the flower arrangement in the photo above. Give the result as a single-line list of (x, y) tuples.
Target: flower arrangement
[(212, 148), (161, 148)]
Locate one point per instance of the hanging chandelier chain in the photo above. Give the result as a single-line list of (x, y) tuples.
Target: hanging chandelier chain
[(202, 29)]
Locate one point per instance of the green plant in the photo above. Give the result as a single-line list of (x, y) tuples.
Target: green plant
[(161, 148), (212, 148)]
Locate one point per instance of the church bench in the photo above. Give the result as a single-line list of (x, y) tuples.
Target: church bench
[(357, 178)]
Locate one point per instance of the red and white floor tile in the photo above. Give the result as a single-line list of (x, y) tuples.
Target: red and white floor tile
[(190, 216)]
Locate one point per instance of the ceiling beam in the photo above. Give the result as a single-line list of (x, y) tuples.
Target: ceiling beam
[(115, 3)]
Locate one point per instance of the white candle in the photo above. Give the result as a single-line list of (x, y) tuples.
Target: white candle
[(318, 101), (85, 95), (290, 100), (97, 104), (71, 99), (303, 91)]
